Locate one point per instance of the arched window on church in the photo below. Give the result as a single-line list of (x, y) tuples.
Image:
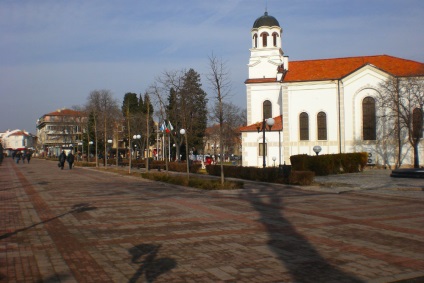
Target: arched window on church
[(255, 40), (267, 109), (274, 39), (264, 36), (417, 123), (368, 119), (304, 126), (322, 126)]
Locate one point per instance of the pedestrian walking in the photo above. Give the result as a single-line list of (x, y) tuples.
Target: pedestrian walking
[(18, 156), (70, 159), (23, 156), (28, 156), (62, 159), (1, 153)]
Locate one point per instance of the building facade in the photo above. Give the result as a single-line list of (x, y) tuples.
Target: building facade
[(330, 103), (17, 140), (211, 140), (60, 130)]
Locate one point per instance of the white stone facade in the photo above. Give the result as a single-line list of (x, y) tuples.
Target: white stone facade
[(13, 140), (336, 87)]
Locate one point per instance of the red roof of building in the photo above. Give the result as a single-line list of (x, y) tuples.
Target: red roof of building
[(278, 125), (337, 68), (65, 112), (19, 133)]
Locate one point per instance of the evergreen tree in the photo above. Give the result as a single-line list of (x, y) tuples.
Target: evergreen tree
[(193, 109)]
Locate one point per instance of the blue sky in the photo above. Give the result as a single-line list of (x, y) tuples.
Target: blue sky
[(54, 52)]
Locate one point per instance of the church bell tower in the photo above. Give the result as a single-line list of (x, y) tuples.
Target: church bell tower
[(267, 68)]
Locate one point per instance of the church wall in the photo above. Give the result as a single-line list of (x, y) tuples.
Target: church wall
[(313, 98), (265, 67), (251, 141), (258, 94), (356, 87), (340, 98)]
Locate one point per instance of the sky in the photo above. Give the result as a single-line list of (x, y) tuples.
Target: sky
[(53, 53)]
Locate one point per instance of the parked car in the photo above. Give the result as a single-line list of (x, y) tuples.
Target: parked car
[(208, 160)]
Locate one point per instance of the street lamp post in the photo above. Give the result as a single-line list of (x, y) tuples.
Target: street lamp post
[(135, 138), (82, 150), (109, 141), (184, 133), (90, 143), (266, 122)]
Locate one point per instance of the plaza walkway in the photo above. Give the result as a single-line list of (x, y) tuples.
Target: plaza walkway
[(85, 225)]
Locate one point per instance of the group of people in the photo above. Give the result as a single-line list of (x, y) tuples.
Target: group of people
[(24, 155), (63, 158)]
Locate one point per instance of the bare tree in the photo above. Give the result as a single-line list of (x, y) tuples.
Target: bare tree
[(170, 84), (401, 101), (109, 112), (157, 90), (129, 111), (93, 108), (104, 110), (233, 118), (218, 78)]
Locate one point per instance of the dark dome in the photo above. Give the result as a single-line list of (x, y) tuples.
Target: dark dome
[(266, 21)]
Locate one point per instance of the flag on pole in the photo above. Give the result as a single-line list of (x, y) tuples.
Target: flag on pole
[(170, 126), (162, 127), (167, 130)]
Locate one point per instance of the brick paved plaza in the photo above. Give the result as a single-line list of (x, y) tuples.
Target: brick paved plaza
[(84, 225)]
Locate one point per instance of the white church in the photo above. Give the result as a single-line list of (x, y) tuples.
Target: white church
[(325, 103)]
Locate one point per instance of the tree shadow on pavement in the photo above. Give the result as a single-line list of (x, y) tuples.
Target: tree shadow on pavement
[(302, 260), (151, 266), (55, 278), (77, 208)]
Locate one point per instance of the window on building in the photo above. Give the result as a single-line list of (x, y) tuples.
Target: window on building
[(304, 126), (417, 123), (322, 126), (255, 40), (369, 119), (274, 39), (264, 36), (262, 149), (267, 109)]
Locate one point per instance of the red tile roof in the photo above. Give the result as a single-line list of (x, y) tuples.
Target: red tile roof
[(337, 68), (65, 112), (19, 133), (278, 125)]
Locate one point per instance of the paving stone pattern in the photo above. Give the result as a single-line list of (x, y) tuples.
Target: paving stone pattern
[(83, 225)]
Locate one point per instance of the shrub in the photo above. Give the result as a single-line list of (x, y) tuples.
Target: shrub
[(85, 164), (330, 163), (302, 178), (200, 183), (182, 167), (268, 174)]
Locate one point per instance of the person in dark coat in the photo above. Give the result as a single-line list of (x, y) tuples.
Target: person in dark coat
[(70, 159), (18, 156), (1, 153), (23, 156), (62, 159), (28, 156)]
